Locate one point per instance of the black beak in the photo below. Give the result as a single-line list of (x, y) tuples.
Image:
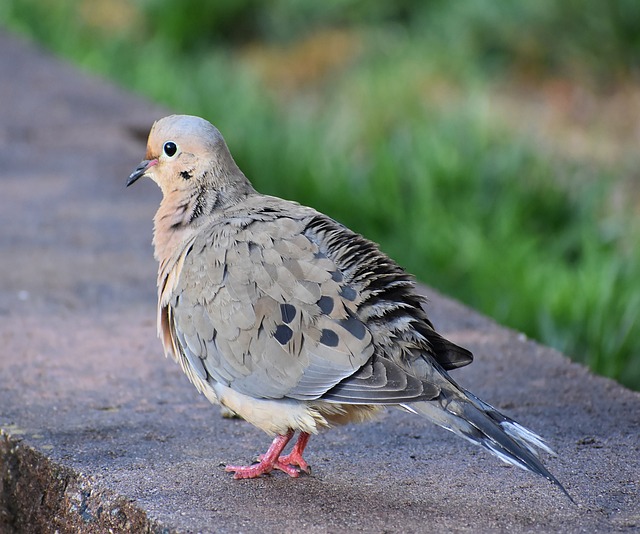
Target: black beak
[(141, 170)]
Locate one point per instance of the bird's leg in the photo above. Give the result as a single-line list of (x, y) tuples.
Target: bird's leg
[(268, 461), (295, 456)]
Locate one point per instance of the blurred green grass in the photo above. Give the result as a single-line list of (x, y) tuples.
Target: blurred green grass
[(384, 116)]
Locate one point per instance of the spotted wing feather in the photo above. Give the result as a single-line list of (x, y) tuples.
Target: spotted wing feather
[(291, 310)]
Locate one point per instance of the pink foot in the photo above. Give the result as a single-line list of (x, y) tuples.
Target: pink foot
[(259, 469), (294, 458), (272, 460)]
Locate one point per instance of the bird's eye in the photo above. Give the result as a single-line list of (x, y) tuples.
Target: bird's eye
[(170, 148)]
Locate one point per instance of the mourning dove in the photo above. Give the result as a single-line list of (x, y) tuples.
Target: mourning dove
[(291, 320)]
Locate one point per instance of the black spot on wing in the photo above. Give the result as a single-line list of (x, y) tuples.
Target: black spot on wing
[(288, 312), (336, 276), (283, 334), (354, 326), (326, 304), (329, 338), (348, 293)]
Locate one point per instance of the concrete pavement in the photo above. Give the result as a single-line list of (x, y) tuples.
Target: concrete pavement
[(100, 432)]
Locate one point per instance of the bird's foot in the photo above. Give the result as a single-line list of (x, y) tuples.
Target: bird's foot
[(294, 458), (292, 463), (262, 468)]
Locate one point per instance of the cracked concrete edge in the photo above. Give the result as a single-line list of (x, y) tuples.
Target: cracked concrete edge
[(38, 495)]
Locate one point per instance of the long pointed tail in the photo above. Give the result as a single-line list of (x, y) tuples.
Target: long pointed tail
[(466, 415)]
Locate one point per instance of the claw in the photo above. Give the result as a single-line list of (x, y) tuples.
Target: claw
[(295, 456)]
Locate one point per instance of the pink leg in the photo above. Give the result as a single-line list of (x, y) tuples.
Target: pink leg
[(295, 456), (272, 460), (268, 461)]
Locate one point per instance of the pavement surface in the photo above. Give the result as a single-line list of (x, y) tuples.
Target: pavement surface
[(100, 433)]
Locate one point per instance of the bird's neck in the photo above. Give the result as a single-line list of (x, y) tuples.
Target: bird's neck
[(182, 212), (173, 227)]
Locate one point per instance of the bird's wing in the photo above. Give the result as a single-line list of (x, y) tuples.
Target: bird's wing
[(388, 302), (271, 306)]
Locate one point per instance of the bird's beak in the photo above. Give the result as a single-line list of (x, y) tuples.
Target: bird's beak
[(141, 170)]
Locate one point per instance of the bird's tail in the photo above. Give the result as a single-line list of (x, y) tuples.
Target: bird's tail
[(466, 415)]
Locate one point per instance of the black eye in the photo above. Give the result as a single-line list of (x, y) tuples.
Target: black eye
[(170, 148)]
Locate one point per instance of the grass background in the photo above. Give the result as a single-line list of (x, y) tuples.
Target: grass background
[(490, 147)]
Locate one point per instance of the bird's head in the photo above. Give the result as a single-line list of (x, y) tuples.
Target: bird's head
[(186, 152)]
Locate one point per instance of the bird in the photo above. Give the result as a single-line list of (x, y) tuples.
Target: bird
[(287, 318)]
